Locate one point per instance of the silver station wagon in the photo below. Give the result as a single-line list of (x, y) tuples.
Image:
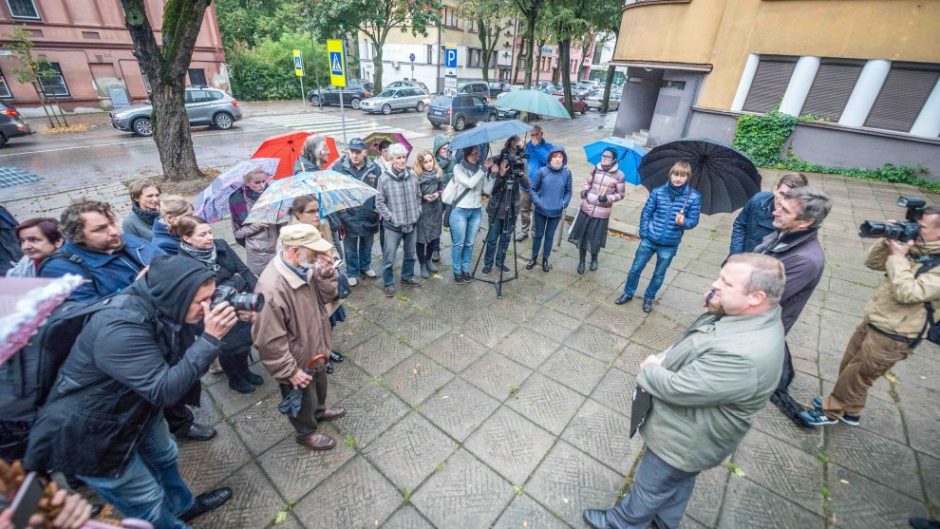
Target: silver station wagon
[(204, 106), (404, 98)]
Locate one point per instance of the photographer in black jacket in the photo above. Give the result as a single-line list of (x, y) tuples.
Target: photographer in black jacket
[(142, 351), (509, 171)]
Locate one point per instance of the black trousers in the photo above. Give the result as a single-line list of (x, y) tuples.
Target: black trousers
[(781, 397), (234, 364), (179, 418)]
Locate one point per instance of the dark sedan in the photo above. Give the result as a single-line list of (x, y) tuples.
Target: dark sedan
[(353, 94), (12, 124)]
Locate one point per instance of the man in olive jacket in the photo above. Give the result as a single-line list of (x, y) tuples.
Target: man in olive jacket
[(707, 390)]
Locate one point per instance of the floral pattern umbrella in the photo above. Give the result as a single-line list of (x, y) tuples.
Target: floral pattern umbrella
[(373, 140), (334, 191), (212, 203), (25, 302)]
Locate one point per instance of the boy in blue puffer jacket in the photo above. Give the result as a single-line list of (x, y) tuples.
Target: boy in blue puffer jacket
[(669, 211), (551, 192)]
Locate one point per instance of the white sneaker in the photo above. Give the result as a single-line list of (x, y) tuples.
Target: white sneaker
[(353, 281), (369, 273)]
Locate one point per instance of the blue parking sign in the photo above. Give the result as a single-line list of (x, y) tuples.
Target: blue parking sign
[(450, 58), (336, 63)]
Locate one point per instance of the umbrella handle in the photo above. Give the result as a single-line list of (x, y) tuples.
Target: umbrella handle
[(317, 360)]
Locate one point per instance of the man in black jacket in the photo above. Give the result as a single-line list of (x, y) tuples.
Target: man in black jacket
[(362, 223), (142, 351)]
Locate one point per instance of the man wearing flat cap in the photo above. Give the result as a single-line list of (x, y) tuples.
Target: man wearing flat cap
[(292, 330)]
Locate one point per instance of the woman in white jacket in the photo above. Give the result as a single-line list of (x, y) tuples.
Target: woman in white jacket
[(467, 212)]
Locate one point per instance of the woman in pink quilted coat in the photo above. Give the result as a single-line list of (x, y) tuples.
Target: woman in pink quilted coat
[(604, 187)]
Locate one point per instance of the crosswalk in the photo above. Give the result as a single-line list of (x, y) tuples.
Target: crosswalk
[(331, 125)]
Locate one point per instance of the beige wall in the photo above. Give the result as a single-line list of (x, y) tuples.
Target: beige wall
[(722, 33)]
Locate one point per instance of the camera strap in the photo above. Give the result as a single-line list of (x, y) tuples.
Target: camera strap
[(931, 329)]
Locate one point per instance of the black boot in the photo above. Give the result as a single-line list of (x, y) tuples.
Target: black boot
[(581, 262), (207, 501), (252, 378), (593, 262), (240, 385), (545, 267), (531, 264)]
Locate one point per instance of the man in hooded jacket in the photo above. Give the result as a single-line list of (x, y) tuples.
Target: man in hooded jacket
[(141, 351), (361, 223)]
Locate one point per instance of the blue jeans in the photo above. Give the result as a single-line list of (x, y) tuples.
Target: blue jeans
[(644, 253), (392, 240), (358, 254), (150, 487), (497, 240), (544, 228), (464, 224), (660, 493)]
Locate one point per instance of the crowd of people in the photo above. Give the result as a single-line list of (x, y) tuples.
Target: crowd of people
[(158, 313)]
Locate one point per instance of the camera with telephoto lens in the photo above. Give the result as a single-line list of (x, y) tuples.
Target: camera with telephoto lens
[(898, 231), (517, 159), (238, 300)]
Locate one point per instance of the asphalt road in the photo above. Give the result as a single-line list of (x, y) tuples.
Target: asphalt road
[(71, 161)]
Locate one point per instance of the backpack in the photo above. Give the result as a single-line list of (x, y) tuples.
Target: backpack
[(931, 326)]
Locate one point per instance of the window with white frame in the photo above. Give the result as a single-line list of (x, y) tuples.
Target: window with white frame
[(4, 88), (473, 57), (53, 85), (23, 9), (449, 18), (471, 25)]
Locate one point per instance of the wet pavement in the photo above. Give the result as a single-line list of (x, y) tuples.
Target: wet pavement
[(467, 411)]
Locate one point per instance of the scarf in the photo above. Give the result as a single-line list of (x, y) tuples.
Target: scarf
[(427, 184), (146, 215), (240, 204), (472, 168), (206, 257), (609, 168), (674, 191)]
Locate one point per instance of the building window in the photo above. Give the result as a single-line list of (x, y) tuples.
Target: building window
[(450, 18), (473, 57), (831, 88), (23, 9), (54, 84), (197, 77), (598, 50), (471, 25), (4, 88), (902, 96), (769, 84), (430, 53)]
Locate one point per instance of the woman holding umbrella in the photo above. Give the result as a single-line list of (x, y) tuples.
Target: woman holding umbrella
[(259, 240), (467, 212), (604, 186)]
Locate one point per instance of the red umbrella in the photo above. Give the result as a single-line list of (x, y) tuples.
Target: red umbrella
[(286, 147), (334, 151)]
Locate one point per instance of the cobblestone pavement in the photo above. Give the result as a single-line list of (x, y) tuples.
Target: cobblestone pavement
[(470, 412)]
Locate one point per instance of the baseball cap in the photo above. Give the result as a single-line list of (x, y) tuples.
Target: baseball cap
[(356, 144), (304, 235)]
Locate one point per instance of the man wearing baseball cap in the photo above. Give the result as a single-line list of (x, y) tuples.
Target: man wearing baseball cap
[(292, 331), (361, 223)]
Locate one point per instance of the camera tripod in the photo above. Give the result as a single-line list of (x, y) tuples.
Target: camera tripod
[(498, 283)]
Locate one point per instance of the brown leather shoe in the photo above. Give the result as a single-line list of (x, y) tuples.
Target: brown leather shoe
[(331, 414), (317, 441)]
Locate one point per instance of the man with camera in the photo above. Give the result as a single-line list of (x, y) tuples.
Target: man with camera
[(510, 182), (798, 214), (140, 352), (292, 330), (896, 318), (707, 390)]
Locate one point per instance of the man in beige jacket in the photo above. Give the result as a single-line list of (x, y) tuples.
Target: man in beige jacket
[(292, 330), (893, 323)]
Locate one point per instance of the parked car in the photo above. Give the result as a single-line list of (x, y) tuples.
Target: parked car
[(512, 88), (355, 91), (391, 99), (12, 124), (404, 83), (509, 113), (204, 106), (579, 89), (499, 88), (577, 104), (597, 98), (459, 110), (475, 88), (548, 88)]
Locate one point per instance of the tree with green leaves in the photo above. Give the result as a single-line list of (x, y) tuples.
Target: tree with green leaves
[(375, 19), (529, 11), (492, 18), (165, 66), (567, 21), (32, 71)]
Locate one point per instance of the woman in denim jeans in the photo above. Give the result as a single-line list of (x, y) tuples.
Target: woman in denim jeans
[(466, 214)]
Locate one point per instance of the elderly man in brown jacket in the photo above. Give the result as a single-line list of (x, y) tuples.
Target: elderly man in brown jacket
[(292, 330)]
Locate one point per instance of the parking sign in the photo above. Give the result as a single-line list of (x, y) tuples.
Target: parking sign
[(450, 57), (334, 48)]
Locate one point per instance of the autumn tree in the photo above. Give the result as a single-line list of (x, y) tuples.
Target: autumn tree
[(32, 70), (165, 65)]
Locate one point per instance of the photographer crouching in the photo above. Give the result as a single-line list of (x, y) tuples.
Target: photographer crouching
[(896, 318), (140, 352)]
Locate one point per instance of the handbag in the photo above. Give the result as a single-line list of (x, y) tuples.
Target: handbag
[(450, 192), (449, 207)]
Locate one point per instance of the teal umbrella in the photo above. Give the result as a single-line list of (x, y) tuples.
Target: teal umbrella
[(535, 102)]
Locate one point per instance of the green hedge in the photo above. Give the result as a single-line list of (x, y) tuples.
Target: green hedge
[(266, 71)]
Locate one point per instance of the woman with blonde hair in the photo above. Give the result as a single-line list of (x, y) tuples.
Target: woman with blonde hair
[(172, 208), (430, 186), (259, 240), (145, 209)]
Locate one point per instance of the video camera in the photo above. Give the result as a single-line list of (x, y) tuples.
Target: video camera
[(899, 231), (517, 159), (238, 300)]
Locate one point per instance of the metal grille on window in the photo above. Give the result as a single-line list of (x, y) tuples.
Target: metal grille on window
[(23, 9), (831, 89), (770, 82), (54, 85), (902, 96), (4, 89)]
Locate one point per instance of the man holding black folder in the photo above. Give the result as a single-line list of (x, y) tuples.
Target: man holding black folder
[(706, 392)]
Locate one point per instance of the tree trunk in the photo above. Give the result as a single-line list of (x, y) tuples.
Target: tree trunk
[(486, 48), (585, 53), (530, 30), (515, 76), (172, 134), (538, 64), (42, 103), (605, 105), (377, 66), (564, 58)]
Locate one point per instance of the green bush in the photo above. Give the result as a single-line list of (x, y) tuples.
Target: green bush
[(266, 71), (762, 137)]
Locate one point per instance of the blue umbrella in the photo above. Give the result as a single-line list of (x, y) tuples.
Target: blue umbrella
[(629, 155), (487, 132), (535, 102)]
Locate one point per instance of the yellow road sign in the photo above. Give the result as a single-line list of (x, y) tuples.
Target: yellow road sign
[(298, 64), (334, 48)]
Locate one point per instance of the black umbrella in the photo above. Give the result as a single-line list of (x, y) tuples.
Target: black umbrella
[(725, 177)]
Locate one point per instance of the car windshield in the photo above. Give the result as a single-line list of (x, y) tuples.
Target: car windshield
[(441, 101), (387, 93)]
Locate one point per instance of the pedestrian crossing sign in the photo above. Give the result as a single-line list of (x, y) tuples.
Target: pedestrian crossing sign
[(334, 48), (298, 64)]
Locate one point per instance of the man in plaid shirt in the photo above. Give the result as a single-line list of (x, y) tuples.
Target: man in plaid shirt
[(399, 205)]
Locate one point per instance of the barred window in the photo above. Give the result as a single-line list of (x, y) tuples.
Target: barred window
[(54, 85), (23, 9), (832, 87), (902, 96), (770, 83)]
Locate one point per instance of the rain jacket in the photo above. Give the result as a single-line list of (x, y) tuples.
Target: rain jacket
[(658, 218), (107, 273), (133, 357), (471, 181), (803, 261), (138, 227), (447, 164), (163, 239), (898, 303), (710, 387), (259, 240), (538, 156), (601, 182), (398, 201), (755, 222), (363, 220), (294, 323), (551, 189)]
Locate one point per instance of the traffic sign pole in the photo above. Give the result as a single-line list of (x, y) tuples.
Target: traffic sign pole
[(299, 72), (334, 49)]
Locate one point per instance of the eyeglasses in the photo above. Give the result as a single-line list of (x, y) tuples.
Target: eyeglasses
[(606, 156)]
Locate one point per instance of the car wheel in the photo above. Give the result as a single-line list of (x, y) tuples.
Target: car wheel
[(3, 140), (435, 125), (315, 100), (386, 109), (420, 106), (354, 103), (223, 121), (460, 123), (142, 127), (491, 118)]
